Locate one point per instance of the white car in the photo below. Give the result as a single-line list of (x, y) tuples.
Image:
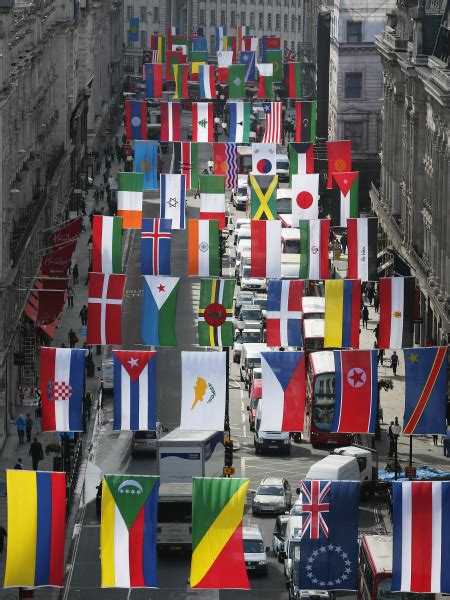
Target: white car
[(254, 551), (240, 224), (245, 336), (252, 283), (250, 317), (239, 195)]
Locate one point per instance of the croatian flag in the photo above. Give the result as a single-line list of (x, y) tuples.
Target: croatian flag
[(134, 390), (62, 382), (421, 534), (156, 236), (284, 313)]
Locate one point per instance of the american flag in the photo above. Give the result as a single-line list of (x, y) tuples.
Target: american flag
[(273, 129), (289, 55), (315, 503)]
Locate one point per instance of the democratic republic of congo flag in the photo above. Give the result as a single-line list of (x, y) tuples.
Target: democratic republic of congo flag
[(215, 312), (217, 545)]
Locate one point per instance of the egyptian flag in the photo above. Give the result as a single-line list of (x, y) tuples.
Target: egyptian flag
[(301, 158), (397, 297), (181, 76), (186, 162), (265, 87), (153, 80), (136, 119), (265, 249), (305, 121), (170, 121), (293, 79), (339, 159), (348, 206), (362, 249)]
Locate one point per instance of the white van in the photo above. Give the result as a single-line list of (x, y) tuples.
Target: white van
[(282, 167), (335, 468), (254, 551), (107, 374)]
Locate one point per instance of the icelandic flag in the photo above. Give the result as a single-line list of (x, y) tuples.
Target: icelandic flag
[(136, 119), (134, 390), (62, 382), (156, 235), (283, 391), (249, 59), (421, 534), (284, 313)]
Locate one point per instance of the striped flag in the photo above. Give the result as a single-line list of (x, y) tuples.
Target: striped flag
[(263, 190), (153, 78), (265, 250), (239, 122), (157, 42), (348, 184), (362, 249), (397, 296), (212, 198), (273, 122), (265, 86), (159, 308), (185, 156), (207, 83), (250, 44), (305, 121), (314, 260), (224, 60), (170, 121), (106, 244), (129, 199), (202, 122), (242, 31), (215, 312), (220, 33), (342, 312), (203, 248), (301, 158), (231, 178), (339, 158), (173, 199), (284, 313), (293, 79), (305, 196), (181, 75), (156, 237)]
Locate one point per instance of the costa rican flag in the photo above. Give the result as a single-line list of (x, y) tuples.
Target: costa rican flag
[(315, 497), (284, 313), (156, 236), (273, 128)]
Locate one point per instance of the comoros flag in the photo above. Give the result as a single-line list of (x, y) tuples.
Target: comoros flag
[(284, 313)]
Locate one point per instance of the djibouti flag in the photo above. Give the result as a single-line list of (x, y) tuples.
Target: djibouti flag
[(215, 312)]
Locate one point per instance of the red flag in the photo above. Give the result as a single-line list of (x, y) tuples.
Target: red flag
[(105, 309), (56, 263), (66, 233), (170, 121), (220, 158), (339, 159)]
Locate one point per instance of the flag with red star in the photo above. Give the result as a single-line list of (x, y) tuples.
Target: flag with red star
[(159, 307)]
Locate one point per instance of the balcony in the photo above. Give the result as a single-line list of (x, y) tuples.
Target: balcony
[(442, 44), (21, 229)]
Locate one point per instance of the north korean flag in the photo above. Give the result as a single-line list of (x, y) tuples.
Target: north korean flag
[(136, 119)]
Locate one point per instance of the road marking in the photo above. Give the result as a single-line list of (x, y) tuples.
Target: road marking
[(243, 460)]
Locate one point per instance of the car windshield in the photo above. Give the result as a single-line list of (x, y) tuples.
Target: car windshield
[(257, 375), (296, 510), (262, 302), (253, 362), (242, 298), (253, 546), (246, 272), (251, 314), (145, 435), (242, 191), (250, 336), (323, 407), (284, 206), (282, 529), (270, 490), (282, 164)]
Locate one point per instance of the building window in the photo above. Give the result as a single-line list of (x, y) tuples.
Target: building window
[(156, 14), (354, 32), (299, 20), (354, 131), (278, 22), (278, 2), (252, 19), (143, 14), (130, 12), (202, 17), (212, 41), (285, 22), (353, 85), (286, 2), (143, 38), (261, 2), (213, 17), (233, 19), (285, 45), (293, 24), (269, 21), (242, 19), (261, 21), (223, 18)]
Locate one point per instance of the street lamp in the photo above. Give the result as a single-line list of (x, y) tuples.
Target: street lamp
[(396, 431)]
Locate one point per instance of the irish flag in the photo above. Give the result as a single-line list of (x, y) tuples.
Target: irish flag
[(107, 244), (203, 248), (314, 261), (129, 199), (212, 198), (202, 122)]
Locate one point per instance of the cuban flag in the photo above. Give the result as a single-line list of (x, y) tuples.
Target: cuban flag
[(134, 390), (284, 313), (136, 119), (421, 534), (283, 391), (156, 236), (62, 382)]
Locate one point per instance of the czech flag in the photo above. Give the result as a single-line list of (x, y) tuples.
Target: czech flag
[(136, 119)]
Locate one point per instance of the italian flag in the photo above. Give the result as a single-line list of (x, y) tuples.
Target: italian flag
[(348, 184), (265, 89), (129, 199), (293, 80), (212, 198), (202, 122), (107, 244), (314, 261), (203, 248)]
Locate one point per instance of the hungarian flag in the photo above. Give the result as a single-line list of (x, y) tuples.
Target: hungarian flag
[(203, 248), (156, 236), (274, 56), (355, 391), (173, 199), (236, 82), (305, 196), (249, 60), (159, 309), (348, 184), (181, 76), (105, 309), (215, 312), (185, 162), (225, 162), (314, 259), (396, 326), (170, 121), (212, 198), (362, 249), (301, 158), (273, 112), (173, 57), (207, 83), (224, 60), (263, 190), (293, 80), (342, 313), (218, 560), (202, 122), (265, 249), (264, 159), (136, 119), (239, 122), (305, 121), (129, 199), (284, 313), (106, 244), (339, 159), (128, 531), (265, 86), (153, 77)]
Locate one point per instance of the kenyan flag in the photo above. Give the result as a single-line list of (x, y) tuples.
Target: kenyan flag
[(215, 312)]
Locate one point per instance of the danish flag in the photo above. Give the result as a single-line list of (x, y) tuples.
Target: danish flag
[(315, 497)]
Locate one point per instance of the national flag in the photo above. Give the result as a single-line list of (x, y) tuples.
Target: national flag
[(250, 44), (134, 390), (186, 162), (153, 77), (170, 121), (396, 326), (362, 249), (339, 159), (174, 57), (105, 309), (106, 244), (202, 122), (62, 382), (171, 31), (265, 250), (36, 504), (129, 199), (263, 194), (128, 531), (149, 57), (173, 199), (314, 259), (421, 527), (212, 198), (274, 56), (215, 312), (249, 60), (283, 391), (265, 86), (136, 119), (224, 60), (293, 80), (225, 162), (264, 159), (342, 312), (156, 236), (273, 112), (239, 122), (218, 560), (159, 308), (203, 383), (220, 32), (315, 505), (199, 43), (180, 42), (203, 248), (284, 313), (198, 31), (305, 121), (301, 158), (181, 76), (157, 42), (229, 43), (242, 31), (305, 196), (425, 391), (207, 83), (236, 81), (348, 184), (133, 29), (269, 42), (146, 162)]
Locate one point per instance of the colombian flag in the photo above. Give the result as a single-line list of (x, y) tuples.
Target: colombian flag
[(342, 310), (36, 528), (217, 546)]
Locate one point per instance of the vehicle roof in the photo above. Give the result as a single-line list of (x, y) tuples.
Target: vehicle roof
[(313, 328), (250, 306), (185, 435), (244, 150), (272, 481), (313, 304), (244, 232), (252, 533), (283, 518), (380, 549), (351, 451), (322, 362), (251, 330), (290, 234), (243, 221), (327, 467), (175, 489), (295, 526), (282, 156)]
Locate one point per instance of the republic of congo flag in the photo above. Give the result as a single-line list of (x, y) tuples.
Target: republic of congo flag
[(217, 546), (263, 197), (215, 312), (128, 531)]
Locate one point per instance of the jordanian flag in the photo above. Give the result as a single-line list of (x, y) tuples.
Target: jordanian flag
[(236, 81), (348, 208), (314, 260), (107, 244), (215, 312), (217, 546), (203, 248)]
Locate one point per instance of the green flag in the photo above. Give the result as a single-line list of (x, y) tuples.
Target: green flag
[(215, 312), (236, 82)]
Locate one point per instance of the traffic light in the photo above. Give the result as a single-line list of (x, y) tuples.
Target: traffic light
[(228, 454)]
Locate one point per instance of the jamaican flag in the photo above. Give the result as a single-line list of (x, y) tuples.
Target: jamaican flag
[(215, 312), (263, 197)]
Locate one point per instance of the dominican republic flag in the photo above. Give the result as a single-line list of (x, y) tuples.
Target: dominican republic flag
[(185, 157), (212, 198), (362, 249), (136, 119), (202, 122), (301, 158), (156, 236), (283, 391), (265, 86), (421, 534), (356, 391), (305, 196), (106, 244), (239, 122), (173, 199), (339, 159), (207, 83), (264, 159), (62, 383), (105, 309), (348, 208), (314, 259), (249, 60), (153, 77), (134, 390), (170, 121), (305, 121), (265, 250), (397, 296), (284, 313), (273, 123)]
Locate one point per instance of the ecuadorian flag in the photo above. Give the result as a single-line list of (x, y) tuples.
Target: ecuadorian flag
[(36, 528)]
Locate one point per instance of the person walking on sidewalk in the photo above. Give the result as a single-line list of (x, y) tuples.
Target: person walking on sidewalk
[(84, 315), (75, 274), (365, 317), (28, 426), (73, 339), (20, 424), (19, 465), (376, 302), (435, 440), (344, 242), (381, 357), (394, 362), (70, 296), (38, 417), (36, 453), (391, 441)]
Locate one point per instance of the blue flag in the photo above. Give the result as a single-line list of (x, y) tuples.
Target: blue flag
[(146, 161), (199, 45), (156, 235), (249, 59), (133, 29)]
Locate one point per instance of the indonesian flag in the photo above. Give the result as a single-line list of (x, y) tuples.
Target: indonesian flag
[(107, 244), (305, 196), (170, 121), (207, 82), (362, 249), (105, 309), (397, 296), (284, 313), (339, 159), (202, 122), (129, 199), (265, 250), (212, 198)]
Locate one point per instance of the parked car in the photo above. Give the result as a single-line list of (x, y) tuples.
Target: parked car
[(242, 298), (244, 223), (272, 496), (252, 283), (250, 317), (279, 535), (261, 300), (282, 167), (245, 336), (254, 552), (239, 194)]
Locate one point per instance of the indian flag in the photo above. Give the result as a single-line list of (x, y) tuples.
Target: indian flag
[(212, 198), (107, 244), (203, 248), (129, 199), (314, 261)]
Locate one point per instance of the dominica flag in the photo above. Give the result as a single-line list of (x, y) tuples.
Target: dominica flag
[(305, 121), (348, 207), (265, 87), (203, 248), (215, 312), (239, 122), (275, 57), (263, 197), (236, 82), (128, 531), (185, 156), (181, 75), (293, 79), (106, 244), (217, 546), (314, 260), (129, 199)]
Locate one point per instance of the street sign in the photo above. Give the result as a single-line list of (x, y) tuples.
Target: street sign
[(410, 472), (228, 470)]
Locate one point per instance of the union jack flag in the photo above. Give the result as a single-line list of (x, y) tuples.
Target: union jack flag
[(315, 503), (289, 55)]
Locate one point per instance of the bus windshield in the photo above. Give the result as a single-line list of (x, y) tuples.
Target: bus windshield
[(174, 512), (323, 406)]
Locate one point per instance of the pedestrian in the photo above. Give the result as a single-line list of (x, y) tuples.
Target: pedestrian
[(111, 181), (210, 166), (84, 315), (38, 417), (344, 242), (446, 444), (28, 426), (376, 302), (75, 274), (83, 206), (197, 191), (376, 331), (391, 441), (73, 339), (36, 453), (3, 534), (365, 317), (20, 424), (435, 440), (96, 196), (19, 465), (394, 362), (102, 191), (70, 296), (381, 357), (370, 293)]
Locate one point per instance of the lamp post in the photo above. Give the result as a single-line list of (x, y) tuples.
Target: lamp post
[(396, 431)]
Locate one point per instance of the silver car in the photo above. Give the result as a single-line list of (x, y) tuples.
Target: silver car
[(272, 496)]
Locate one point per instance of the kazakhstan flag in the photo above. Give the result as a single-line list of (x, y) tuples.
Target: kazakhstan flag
[(146, 161)]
